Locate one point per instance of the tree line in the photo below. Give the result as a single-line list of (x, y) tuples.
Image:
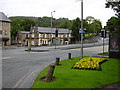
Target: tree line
[(91, 25)]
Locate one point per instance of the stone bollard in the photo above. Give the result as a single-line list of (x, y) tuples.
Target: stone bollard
[(69, 55), (49, 76), (57, 61)]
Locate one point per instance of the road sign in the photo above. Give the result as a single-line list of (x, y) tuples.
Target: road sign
[(81, 31)]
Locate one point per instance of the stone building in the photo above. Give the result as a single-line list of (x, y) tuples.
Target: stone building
[(41, 36), (5, 28)]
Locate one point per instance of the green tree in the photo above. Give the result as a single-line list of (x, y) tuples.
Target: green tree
[(113, 25), (15, 27), (27, 23), (62, 22), (115, 6), (97, 26), (94, 25), (75, 28)]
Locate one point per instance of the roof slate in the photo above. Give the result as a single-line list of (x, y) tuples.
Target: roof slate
[(49, 30), (24, 32), (3, 17)]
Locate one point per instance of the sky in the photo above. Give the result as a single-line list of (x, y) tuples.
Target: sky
[(63, 8)]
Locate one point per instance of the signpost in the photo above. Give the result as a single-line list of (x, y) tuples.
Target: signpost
[(81, 31)]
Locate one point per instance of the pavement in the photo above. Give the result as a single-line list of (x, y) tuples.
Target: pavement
[(113, 86)]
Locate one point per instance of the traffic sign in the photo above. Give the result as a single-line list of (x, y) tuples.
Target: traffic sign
[(81, 31)]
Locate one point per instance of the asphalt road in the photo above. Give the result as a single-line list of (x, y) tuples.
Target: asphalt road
[(20, 68)]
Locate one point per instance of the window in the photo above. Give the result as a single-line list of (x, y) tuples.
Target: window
[(27, 35), (43, 41), (32, 42), (59, 35), (65, 35), (39, 35), (49, 35), (5, 32), (33, 35), (62, 36), (45, 35), (0, 32), (33, 31), (69, 35)]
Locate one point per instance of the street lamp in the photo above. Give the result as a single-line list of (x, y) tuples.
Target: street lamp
[(51, 26), (81, 27)]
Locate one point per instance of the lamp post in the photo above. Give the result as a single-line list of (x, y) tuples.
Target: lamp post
[(81, 29), (30, 34), (51, 27)]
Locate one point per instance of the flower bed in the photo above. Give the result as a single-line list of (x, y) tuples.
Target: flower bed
[(90, 63)]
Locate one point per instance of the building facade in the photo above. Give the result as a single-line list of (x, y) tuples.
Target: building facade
[(42, 36), (5, 27)]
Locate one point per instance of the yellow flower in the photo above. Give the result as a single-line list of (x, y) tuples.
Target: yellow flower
[(90, 62)]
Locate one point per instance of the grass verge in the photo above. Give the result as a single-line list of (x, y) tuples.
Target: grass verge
[(105, 53), (66, 77)]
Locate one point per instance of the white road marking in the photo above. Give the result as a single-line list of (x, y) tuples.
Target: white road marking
[(20, 81), (6, 57)]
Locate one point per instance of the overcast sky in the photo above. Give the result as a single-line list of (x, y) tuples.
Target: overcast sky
[(64, 8)]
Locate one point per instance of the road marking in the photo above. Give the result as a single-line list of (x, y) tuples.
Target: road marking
[(20, 81), (6, 57)]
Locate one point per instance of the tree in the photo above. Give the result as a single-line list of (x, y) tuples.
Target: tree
[(115, 6), (27, 23), (113, 25), (75, 29), (97, 26), (94, 25), (62, 22), (15, 27)]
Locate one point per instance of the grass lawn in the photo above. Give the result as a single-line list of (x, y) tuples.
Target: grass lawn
[(66, 77)]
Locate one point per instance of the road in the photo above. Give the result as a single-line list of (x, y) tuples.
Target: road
[(20, 68)]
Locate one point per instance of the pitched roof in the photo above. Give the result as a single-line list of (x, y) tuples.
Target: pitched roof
[(49, 30), (3, 17), (24, 32)]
